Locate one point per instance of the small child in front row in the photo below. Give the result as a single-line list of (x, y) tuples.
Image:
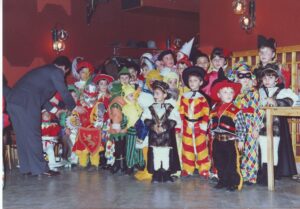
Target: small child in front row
[(162, 119), (228, 129)]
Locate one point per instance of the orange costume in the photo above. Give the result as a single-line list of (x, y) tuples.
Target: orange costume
[(194, 112)]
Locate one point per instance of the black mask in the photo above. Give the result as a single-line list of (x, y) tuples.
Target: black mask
[(244, 75)]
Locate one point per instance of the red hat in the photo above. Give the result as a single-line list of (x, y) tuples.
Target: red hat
[(100, 77), (222, 84), (85, 64)]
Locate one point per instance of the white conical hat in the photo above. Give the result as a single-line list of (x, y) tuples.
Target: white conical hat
[(187, 47)]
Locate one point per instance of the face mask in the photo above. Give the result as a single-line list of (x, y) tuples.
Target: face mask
[(244, 75)]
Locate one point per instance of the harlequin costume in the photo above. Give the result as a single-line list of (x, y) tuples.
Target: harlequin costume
[(284, 160), (194, 112), (249, 102), (284, 73), (132, 110), (88, 142), (50, 131), (117, 129), (227, 126), (162, 118)]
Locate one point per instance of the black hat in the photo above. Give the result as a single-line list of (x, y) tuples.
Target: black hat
[(264, 42), (164, 53), (164, 87), (194, 70)]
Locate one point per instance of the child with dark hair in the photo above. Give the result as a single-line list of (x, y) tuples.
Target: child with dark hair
[(162, 119), (267, 55), (273, 94), (194, 112), (219, 58), (201, 59)]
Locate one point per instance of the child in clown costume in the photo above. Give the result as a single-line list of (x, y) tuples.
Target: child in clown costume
[(249, 102), (194, 111), (103, 81), (88, 142), (132, 110), (162, 118), (50, 131)]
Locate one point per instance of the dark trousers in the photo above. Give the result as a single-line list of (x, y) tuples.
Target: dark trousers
[(26, 123), (226, 159)]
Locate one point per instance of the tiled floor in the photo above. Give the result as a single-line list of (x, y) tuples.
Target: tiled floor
[(81, 189)]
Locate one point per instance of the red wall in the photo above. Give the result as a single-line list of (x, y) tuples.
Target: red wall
[(27, 31), (219, 26)]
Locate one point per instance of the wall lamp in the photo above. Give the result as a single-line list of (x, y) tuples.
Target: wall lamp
[(59, 36), (247, 21)]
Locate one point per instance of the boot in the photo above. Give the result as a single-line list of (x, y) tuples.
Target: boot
[(167, 176), (123, 166), (262, 175), (116, 167), (155, 177)]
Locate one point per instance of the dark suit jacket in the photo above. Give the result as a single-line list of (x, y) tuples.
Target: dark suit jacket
[(38, 86)]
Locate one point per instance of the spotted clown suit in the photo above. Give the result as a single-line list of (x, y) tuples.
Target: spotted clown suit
[(194, 112)]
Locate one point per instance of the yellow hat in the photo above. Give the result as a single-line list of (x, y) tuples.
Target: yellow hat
[(152, 76)]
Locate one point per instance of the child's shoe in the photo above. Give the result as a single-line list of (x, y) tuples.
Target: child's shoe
[(184, 173), (204, 174)]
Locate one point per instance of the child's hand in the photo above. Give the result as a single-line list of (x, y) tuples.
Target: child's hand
[(255, 133), (68, 131), (241, 146), (271, 102)]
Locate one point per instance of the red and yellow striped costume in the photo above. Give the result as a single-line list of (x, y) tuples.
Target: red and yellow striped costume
[(194, 112)]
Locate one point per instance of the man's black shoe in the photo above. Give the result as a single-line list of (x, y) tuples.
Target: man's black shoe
[(49, 173)]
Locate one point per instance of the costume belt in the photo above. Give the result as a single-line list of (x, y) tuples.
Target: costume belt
[(193, 120), (224, 137)]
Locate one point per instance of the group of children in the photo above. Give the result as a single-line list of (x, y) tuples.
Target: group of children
[(174, 115)]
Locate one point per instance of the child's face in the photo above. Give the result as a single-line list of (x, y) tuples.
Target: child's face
[(269, 81), (195, 83), (218, 62), (266, 55), (124, 79), (203, 62), (46, 116), (173, 83), (226, 94), (145, 70), (168, 61), (244, 78), (159, 65), (133, 73), (75, 97), (103, 85), (84, 74), (130, 97), (159, 95)]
